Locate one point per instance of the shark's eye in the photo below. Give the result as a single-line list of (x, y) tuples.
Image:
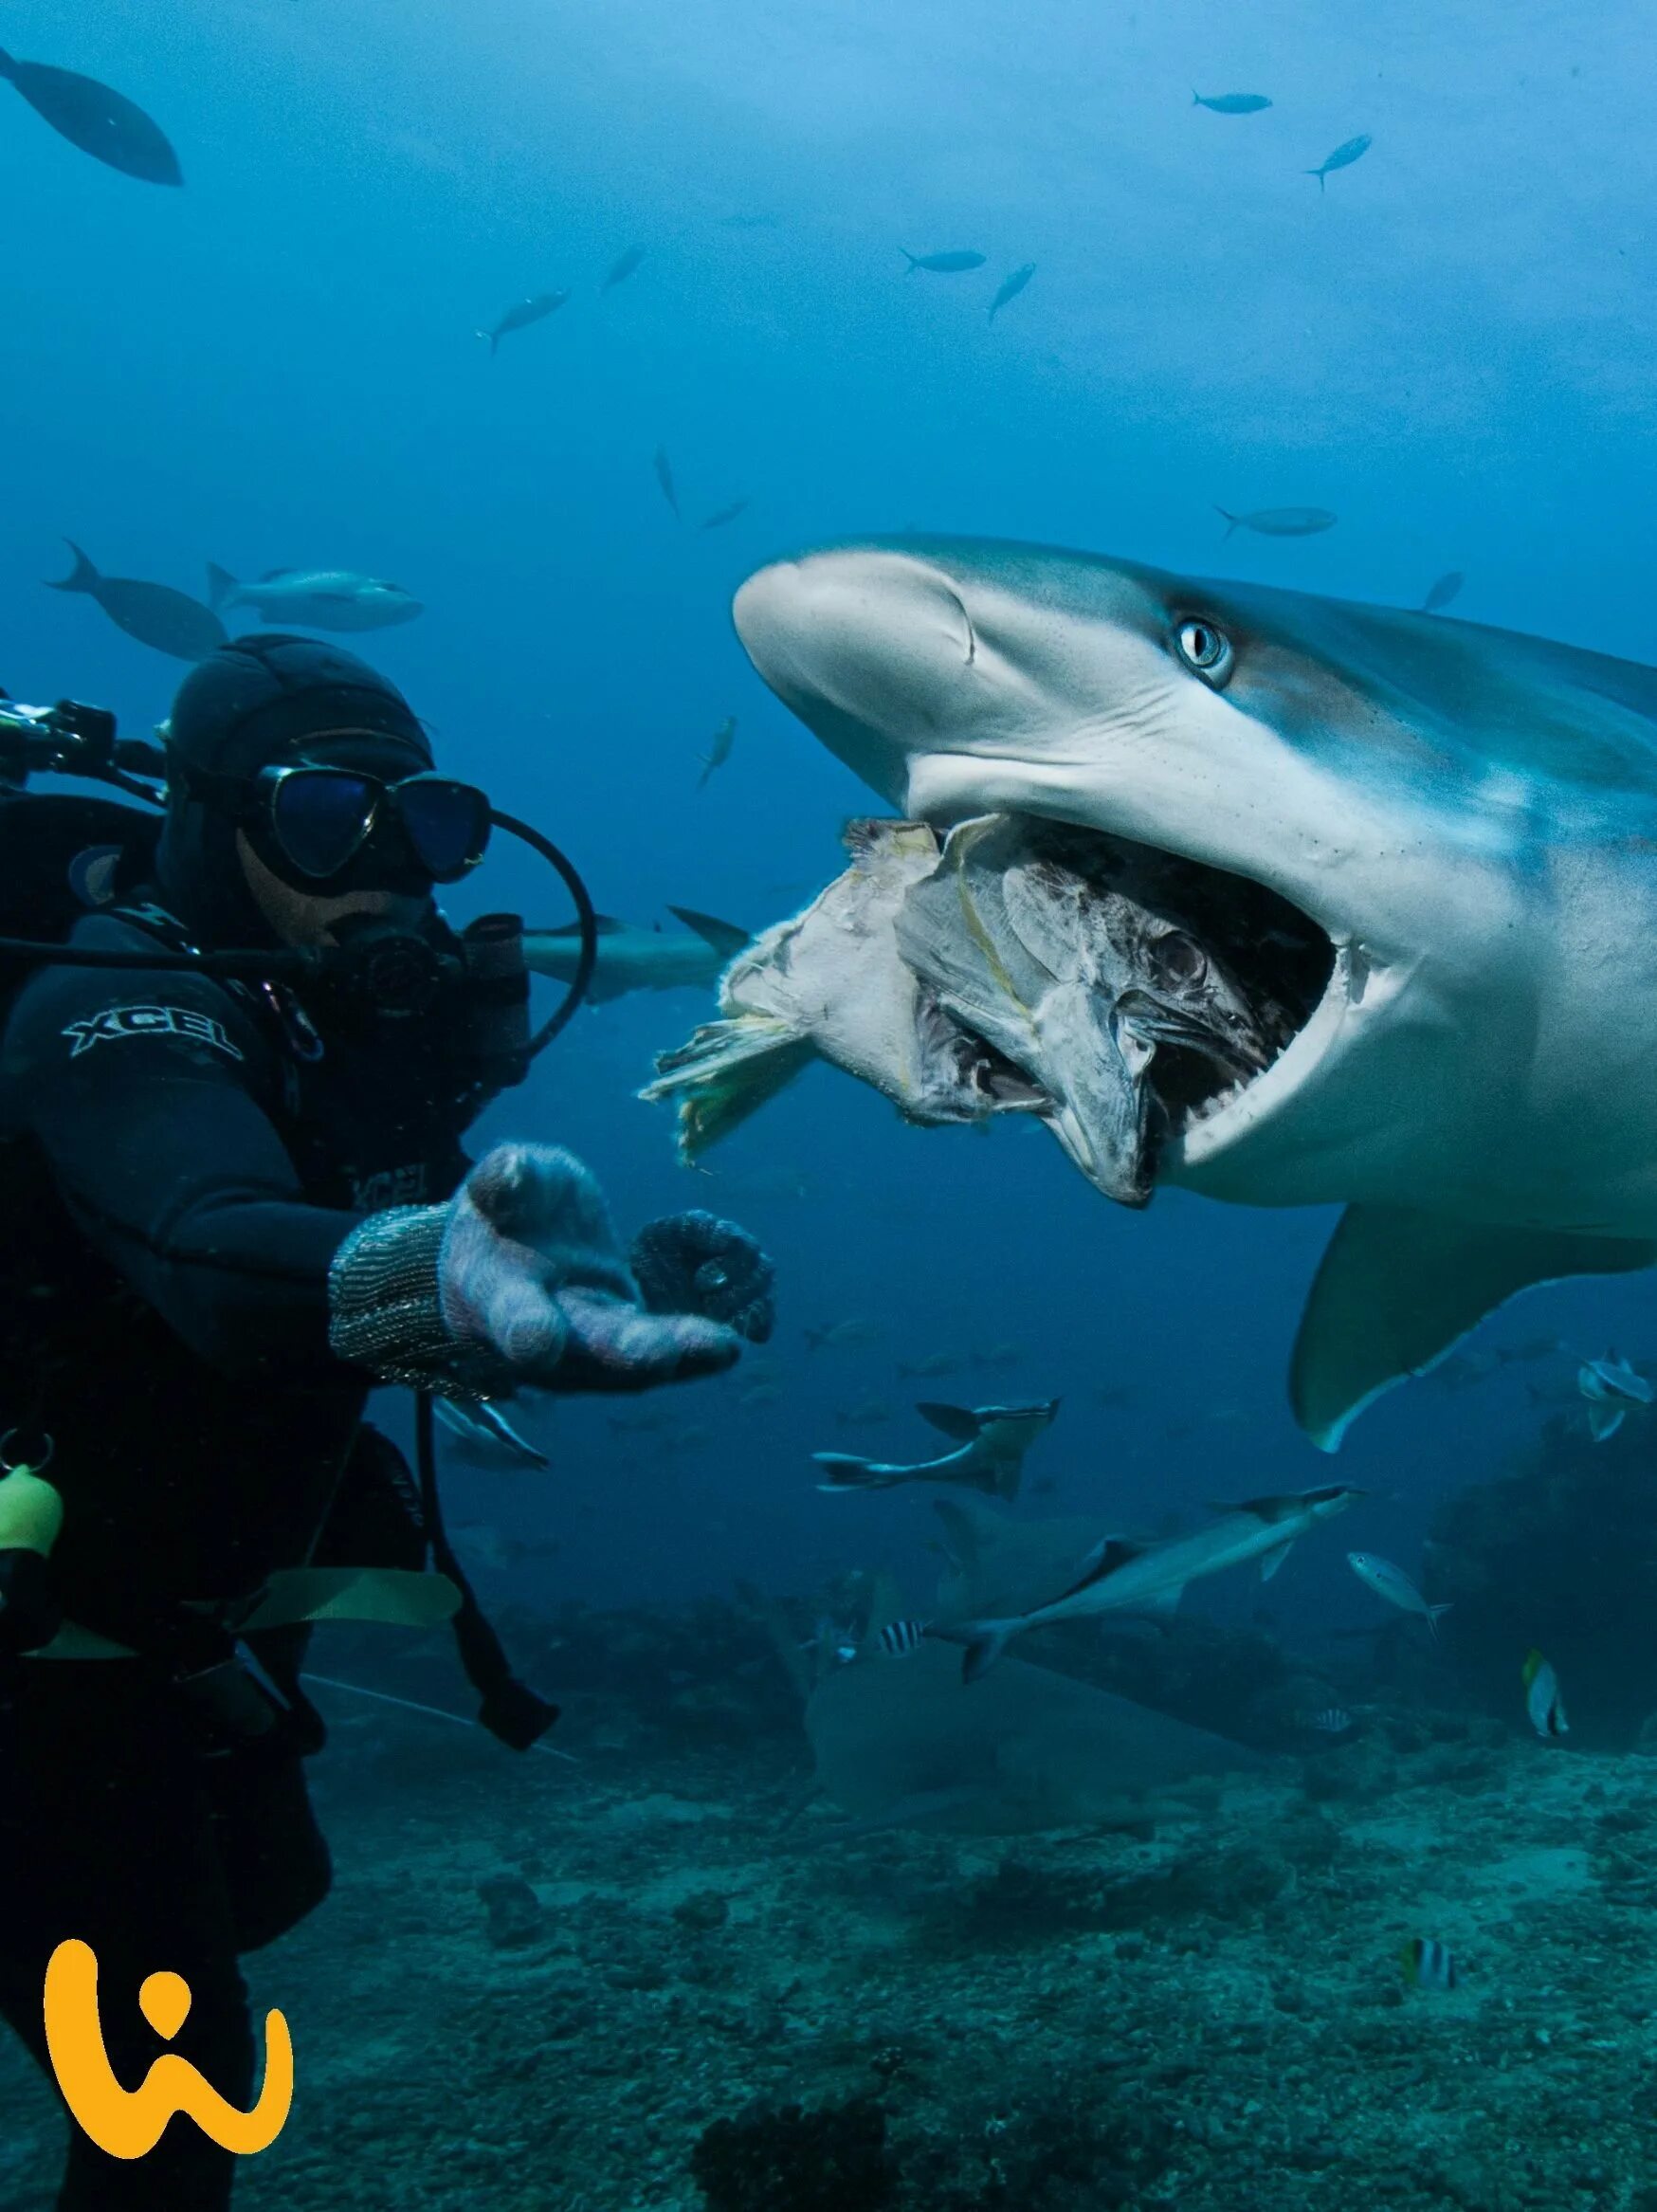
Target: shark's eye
[(1206, 649)]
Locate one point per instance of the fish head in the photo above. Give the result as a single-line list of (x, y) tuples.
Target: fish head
[(1333, 1498), (1392, 829)]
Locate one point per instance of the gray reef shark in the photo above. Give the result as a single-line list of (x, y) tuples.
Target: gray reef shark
[(631, 958), (1119, 1575), (1425, 849)]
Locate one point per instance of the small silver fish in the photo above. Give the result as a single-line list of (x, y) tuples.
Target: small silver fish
[(1395, 1585), (1343, 157), (718, 750), (1011, 287), (1279, 522), (942, 265), (1230, 104), (484, 1438), (1443, 592)]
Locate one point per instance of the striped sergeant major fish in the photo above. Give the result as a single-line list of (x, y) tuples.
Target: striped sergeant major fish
[(899, 1638)]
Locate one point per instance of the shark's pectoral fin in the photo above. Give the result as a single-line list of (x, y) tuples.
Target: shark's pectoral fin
[(1399, 1289)]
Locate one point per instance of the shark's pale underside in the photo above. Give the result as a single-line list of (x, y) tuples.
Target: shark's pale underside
[(1467, 817)]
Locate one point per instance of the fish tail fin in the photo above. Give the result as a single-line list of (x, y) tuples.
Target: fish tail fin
[(221, 585), (844, 1471), (1196, 98), (726, 1073), (83, 577), (912, 259), (1318, 175), (724, 936), (1231, 521), (1433, 1611)]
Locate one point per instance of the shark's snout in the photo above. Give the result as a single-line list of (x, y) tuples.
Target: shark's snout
[(874, 650)]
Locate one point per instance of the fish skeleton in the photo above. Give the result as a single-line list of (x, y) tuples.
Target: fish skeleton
[(1453, 830), (317, 598), (991, 1443), (631, 958), (1124, 1577)]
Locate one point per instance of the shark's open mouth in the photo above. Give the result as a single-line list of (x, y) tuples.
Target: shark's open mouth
[(1150, 990)]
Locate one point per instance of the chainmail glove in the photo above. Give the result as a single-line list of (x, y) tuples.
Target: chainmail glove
[(695, 1263), (518, 1281)]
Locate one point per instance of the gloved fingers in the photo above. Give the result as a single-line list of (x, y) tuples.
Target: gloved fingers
[(611, 1345), (697, 1263), (540, 1198)]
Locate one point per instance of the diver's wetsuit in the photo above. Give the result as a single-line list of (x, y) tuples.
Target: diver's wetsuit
[(179, 1166)]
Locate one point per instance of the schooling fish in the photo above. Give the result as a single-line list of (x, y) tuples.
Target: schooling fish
[(521, 315), (991, 1441), (665, 477), (484, 1438), (1343, 157), (1543, 1700), (1428, 1965), (942, 265), (621, 268), (1011, 287), (317, 598), (1395, 1585), (1230, 104), (101, 122), (1280, 522), (721, 516), (1439, 597), (168, 621), (718, 750)]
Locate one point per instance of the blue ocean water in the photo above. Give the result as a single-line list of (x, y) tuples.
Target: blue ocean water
[(1449, 347)]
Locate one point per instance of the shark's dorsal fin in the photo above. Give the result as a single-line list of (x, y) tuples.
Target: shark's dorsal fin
[(725, 938), (1267, 1509), (1398, 1290), (955, 1421), (1104, 1558)]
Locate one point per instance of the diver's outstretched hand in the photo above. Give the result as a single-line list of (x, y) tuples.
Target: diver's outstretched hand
[(533, 1279)]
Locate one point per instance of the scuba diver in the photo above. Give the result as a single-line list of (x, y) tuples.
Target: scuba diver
[(234, 1202)]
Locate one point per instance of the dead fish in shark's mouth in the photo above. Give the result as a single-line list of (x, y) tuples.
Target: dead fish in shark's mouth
[(1022, 966)]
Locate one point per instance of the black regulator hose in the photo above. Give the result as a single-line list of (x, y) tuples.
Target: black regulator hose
[(585, 914)]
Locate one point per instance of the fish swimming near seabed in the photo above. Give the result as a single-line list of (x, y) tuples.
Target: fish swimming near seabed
[(1393, 1585), (631, 958), (1397, 801), (1011, 287), (156, 615), (317, 598), (482, 1437), (1544, 1704), (521, 315), (990, 1442), (1231, 103), (1280, 522), (1428, 1965), (1439, 594), (942, 265), (901, 1743), (1123, 1576), (1343, 157), (95, 119)]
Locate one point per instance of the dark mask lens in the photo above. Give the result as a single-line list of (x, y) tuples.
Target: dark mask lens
[(446, 825), (319, 817)]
